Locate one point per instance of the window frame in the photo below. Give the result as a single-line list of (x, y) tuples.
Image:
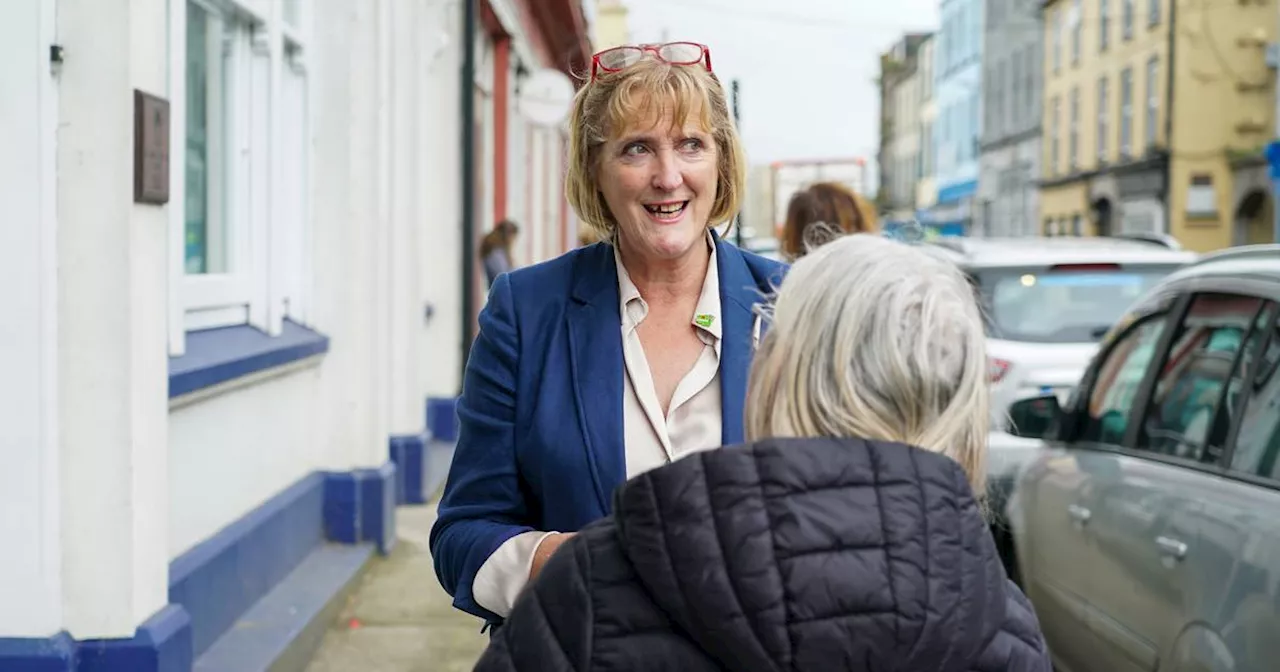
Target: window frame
[(1152, 120), (1176, 297), (265, 282), (1103, 130), (1125, 149), (1252, 386), (1264, 305)]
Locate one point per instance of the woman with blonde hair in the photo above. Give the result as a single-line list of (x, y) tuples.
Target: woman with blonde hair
[(821, 210), (846, 535), (617, 357)]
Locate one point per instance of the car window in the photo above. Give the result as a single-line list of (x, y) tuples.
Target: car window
[(1188, 415), (1117, 381), (1065, 303), (1257, 448)]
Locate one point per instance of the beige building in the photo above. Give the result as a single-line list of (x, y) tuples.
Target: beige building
[(611, 28), (1129, 148)]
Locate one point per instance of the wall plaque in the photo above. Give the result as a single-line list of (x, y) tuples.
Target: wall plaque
[(150, 149)]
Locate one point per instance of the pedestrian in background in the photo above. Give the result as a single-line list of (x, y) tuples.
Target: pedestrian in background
[(821, 211), (495, 249), (617, 357), (847, 535)]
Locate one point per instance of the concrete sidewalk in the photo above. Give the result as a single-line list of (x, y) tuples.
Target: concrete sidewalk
[(399, 618)]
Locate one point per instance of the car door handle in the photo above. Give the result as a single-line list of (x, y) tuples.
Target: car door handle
[(1079, 513), (1171, 548)]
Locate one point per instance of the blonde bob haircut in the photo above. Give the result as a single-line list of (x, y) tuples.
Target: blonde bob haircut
[(616, 101), (875, 339)]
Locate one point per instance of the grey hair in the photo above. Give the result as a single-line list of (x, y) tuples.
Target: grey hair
[(876, 339)]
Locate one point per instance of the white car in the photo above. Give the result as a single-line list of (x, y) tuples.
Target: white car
[(1049, 301)]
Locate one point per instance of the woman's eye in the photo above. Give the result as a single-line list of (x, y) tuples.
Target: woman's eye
[(692, 144), (634, 149)]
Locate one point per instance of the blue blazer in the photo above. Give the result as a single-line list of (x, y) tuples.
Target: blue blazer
[(540, 443)]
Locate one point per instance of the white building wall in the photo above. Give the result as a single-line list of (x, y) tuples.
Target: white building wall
[(104, 479), (29, 356)]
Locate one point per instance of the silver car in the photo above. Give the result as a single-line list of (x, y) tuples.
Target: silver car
[(1147, 532)]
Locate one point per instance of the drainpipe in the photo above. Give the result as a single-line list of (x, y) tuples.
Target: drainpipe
[(1168, 117), (468, 98)]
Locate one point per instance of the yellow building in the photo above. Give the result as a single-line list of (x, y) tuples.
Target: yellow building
[(611, 25), (1130, 148)]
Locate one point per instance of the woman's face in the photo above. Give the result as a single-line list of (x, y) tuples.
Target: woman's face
[(660, 182)]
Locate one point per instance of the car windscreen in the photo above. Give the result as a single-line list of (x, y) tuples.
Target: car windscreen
[(1065, 303)]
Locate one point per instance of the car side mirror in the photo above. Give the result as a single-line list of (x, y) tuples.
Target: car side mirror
[(1035, 418)]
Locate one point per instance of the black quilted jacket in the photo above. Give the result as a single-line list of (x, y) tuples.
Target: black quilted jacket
[(819, 555)]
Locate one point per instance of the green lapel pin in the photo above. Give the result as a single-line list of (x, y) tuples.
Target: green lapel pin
[(703, 320)]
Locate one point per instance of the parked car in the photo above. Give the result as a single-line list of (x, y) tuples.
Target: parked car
[(1048, 301), (1146, 531)]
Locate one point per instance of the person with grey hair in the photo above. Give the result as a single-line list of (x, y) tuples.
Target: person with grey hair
[(846, 534)]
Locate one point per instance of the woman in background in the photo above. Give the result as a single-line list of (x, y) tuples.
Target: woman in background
[(495, 249), (820, 211)]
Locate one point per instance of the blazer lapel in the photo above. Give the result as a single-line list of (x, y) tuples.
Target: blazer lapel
[(738, 294), (595, 359)]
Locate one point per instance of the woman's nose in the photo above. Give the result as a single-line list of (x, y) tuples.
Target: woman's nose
[(667, 176)]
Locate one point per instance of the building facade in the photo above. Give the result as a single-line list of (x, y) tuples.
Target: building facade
[(1155, 117), (958, 126), (1010, 158), (235, 308), (611, 27), (926, 190), (901, 150)]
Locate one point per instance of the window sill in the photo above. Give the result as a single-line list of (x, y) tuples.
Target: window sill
[(216, 357)]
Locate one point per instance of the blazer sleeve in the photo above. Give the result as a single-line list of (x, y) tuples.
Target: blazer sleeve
[(483, 504), (550, 626)]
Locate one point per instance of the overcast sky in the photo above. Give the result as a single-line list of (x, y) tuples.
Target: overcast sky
[(807, 67)]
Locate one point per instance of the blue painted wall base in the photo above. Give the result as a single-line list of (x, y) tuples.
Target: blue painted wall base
[(409, 453), (51, 654), (442, 418), (215, 583), (359, 506), (161, 644)]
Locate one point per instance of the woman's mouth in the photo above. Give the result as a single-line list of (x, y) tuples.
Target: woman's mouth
[(666, 212)]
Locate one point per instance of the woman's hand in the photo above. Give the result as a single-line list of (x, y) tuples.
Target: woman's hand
[(545, 550)]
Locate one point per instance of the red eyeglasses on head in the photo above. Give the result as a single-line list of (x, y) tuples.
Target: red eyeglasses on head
[(674, 53)]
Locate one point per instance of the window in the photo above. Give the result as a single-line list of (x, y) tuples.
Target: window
[(998, 121), (240, 209), (1116, 383), (1126, 19), (1257, 446), (1073, 138), (1126, 113), (1104, 120), (1057, 40), (1063, 303), (209, 70), (1153, 101), (1201, 201), (1077, 30), (1153, 12), (1053, 136), (1077, 226), (1012, 109), (1028, 87), (1190, 408), (1104, 24)]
